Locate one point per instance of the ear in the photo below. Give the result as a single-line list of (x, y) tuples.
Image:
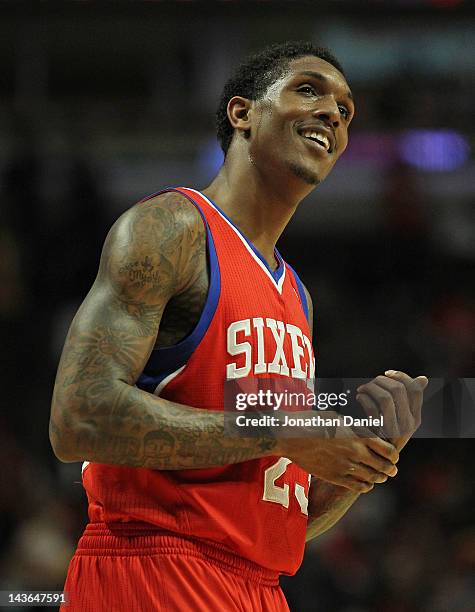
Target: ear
[(239, 113)]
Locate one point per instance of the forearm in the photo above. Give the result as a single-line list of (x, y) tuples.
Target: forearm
[(124, 425), (327, 504)]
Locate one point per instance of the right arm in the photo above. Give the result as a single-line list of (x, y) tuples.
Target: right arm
[(97, 413)]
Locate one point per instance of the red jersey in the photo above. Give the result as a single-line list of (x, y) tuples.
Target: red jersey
[(254, 323)]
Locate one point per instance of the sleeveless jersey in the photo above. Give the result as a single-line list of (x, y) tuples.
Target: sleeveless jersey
[(254, 323)]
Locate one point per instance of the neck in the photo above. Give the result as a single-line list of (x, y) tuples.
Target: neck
[(260, 208)]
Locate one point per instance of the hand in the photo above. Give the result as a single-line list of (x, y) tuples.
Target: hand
[(398, 398), (348, 460)]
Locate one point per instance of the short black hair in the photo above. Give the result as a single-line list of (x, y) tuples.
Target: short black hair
[(256, 73)]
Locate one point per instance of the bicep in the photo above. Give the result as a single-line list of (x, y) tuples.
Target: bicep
[(114, 330), (109, 337), (145, 261)]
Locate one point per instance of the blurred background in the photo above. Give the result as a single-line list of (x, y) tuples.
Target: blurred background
[(104, 103)]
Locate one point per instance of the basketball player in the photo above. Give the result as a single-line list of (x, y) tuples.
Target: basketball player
[(191, 291)]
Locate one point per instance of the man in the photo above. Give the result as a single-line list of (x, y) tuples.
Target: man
[(190, 292)]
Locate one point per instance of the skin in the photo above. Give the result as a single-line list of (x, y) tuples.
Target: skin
[(399, 398), (152, 284), (97, 413), (257, 186)]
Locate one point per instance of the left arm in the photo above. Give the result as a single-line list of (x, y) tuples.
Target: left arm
[(398, 398), (327, 503)]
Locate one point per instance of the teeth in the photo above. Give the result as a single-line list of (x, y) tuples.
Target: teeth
[(320, 138)]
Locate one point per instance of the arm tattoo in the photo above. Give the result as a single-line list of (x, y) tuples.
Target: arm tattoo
[(153, 270)]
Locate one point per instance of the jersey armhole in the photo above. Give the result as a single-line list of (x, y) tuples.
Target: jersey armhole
[(165, 361), (301, 290)]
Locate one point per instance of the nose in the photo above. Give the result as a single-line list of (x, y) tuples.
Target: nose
[(328, 112)]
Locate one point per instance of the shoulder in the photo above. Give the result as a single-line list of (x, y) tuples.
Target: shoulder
[(172, 203), (170, 214), (155, 240)]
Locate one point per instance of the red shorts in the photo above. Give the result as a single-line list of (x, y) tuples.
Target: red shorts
[(115, 571)]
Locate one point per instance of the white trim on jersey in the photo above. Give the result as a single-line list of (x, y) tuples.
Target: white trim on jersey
[(84, 466), (277, 284), (159, 388)]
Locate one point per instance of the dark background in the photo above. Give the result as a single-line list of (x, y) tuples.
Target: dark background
[(104, 103)]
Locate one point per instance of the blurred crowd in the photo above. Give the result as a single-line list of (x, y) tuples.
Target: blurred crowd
[(407, 546)]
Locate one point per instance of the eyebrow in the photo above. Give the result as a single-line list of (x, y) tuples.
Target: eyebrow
[(322, 78)]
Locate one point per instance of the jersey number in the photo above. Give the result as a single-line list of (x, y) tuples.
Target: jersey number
[(280, 495)]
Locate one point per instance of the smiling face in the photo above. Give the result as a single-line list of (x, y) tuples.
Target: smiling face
[(301, 123)]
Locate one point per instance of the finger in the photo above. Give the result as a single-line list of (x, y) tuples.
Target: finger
[(384, 401), (382, 448), (414, 388), (400, 443), (376, 463), (369, 405), (347, 481), (371, 409), (402, 403), (356, 485), (418, 397), (423, 381), (368, 475), (396, 387)]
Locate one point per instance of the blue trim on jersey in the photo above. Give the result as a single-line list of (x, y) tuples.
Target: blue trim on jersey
[(164, 361), (303, 297), (277, 273), (150, 383)]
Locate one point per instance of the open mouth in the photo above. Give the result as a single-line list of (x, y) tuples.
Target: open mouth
[(317, 137)]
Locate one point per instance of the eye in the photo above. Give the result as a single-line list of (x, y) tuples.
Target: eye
[(308, 89), (344, 111)]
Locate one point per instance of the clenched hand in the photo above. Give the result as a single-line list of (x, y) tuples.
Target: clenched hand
[(398, 398)]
